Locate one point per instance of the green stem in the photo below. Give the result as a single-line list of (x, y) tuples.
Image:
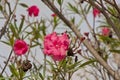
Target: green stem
[(44, 69)]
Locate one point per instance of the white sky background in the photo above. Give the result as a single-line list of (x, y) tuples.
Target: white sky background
[(45, 13)]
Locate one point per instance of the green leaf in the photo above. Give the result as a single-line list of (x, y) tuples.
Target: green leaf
[(21, 74), (13, 30), (51, 64), (1, 77), (73, 8), (15, 25), (87, 8), (41, 76), (87, 63), (23, 5), (14, 70), (82, 65), (73, 66), (73, 20), (115, 51), (7, 43), (42, 27), (1, 8), (63, 63), (21, 24), (60, 2)]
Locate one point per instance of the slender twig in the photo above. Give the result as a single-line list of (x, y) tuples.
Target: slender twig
[(44, 69), (6, 62), (3, 30)]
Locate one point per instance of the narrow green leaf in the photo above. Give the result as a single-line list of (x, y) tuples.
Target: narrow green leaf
[(72, 66), (1, 8), (51, 64), (7, 43), (87, 8), (1, 77), (21, 24), (87, 63), (60, 2), (15, 24), (41, 76), (23, 5), (14, 70), (115, 51), (22, 74), (73, 8), (13, 30), (82, 65)]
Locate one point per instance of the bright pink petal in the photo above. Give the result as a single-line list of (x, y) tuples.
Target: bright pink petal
[(33, 11), (20, 47)]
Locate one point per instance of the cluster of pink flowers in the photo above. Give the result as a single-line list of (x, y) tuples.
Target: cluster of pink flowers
[(105, 31), (20, 47), (56, 45), (33, 11)]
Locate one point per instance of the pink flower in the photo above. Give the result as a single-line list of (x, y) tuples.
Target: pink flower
[(20, 47), (54, 15), (33, 11), (96, 12), (105, 31), (56, 45)]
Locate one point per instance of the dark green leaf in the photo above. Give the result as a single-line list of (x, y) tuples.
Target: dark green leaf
[(60, 2), (51, 64), (72, 66), (23, 5), (87, 63), (22, 74), (87, 8), (13, 30), (73, 8), (14, 70), (115, 51), (21, 24), (7, 43), (41, 76), (1, 8)]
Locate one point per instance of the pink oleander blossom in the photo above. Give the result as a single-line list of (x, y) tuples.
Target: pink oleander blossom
[(96, 12), (56, 45), (33, 11), (105, 31), (20, 47)]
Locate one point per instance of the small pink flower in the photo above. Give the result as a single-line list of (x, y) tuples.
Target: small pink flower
[(56, 45), (54, 15), (33, 11), (20, 47), (96, 12), (105, 31)]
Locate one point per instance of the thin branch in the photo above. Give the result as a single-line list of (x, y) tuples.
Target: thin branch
[(6, 62)]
